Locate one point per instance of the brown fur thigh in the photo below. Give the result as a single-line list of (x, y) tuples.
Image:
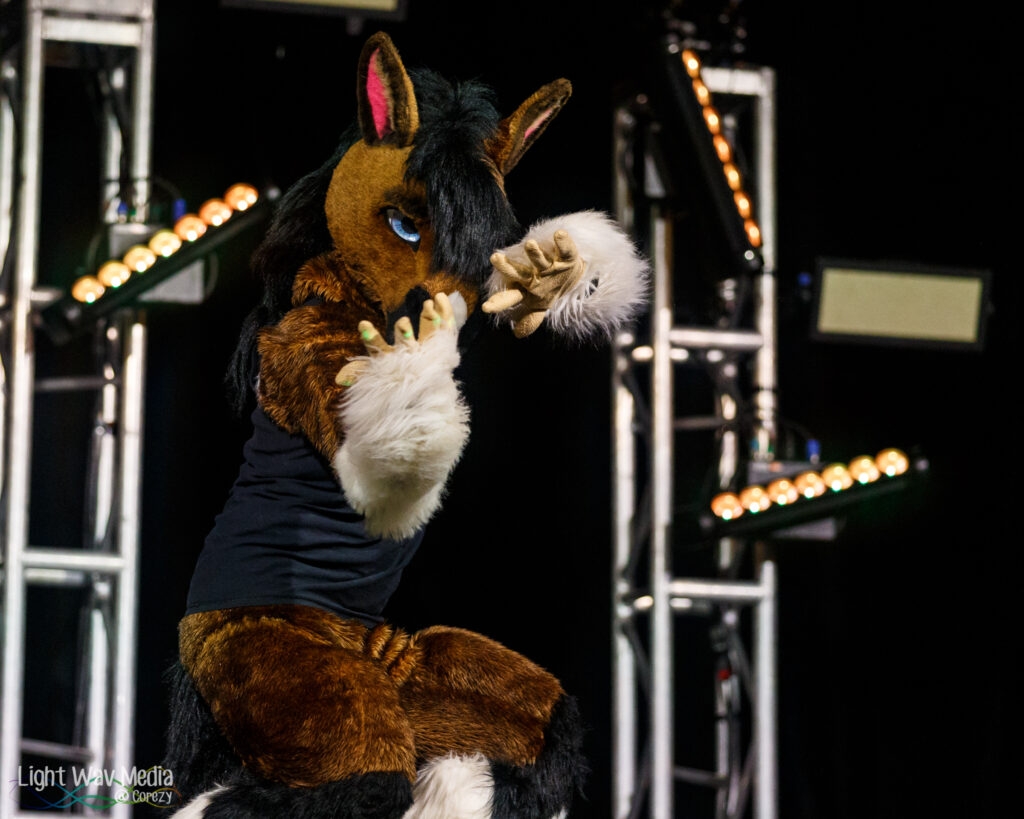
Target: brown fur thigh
[(469, 694), (295, 693)]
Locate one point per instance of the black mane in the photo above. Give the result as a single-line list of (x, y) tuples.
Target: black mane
[(470, 215)]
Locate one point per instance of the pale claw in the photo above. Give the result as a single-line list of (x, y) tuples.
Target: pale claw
[(373, 340), (430, 320), (437, 313), (502, 300)]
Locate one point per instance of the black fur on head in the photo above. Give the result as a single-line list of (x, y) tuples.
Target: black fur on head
[(470, 216)]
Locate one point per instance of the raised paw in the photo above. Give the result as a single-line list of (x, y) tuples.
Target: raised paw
[(534, 283), (436, 315)]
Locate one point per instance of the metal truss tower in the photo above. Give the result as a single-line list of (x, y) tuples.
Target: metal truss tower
[(645, 607), (105, 565)]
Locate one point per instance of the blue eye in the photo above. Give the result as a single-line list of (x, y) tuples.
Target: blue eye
[(403, 226)]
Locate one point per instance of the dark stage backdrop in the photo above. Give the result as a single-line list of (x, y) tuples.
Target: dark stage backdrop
[(898, 642)]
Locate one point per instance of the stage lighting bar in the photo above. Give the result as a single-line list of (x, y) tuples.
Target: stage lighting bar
[(119, 281), (837, 477), (377, 9), (723, 150), (811, 495), (690, 143)]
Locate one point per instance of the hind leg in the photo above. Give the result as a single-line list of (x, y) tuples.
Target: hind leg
[(496, 735), (310, 715)]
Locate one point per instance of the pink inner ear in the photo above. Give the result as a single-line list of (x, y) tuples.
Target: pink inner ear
[(536, 124), (377, 94)]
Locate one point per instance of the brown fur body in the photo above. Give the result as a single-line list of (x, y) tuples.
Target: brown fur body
[(328, 698)]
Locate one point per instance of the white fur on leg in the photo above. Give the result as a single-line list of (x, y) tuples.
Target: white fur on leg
[(613, 286), (453, 787), (197, 807), (405, 426)]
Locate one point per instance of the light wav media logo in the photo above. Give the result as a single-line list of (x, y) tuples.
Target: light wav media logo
[(58, 788)]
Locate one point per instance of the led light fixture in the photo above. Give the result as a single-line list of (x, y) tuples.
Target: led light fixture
[(723, 149), (726, 506), (144, 265), (782, 492), (892, 462), (87, 289), (164, 243), (754, 499), (241, 196), (809, 485), (689, 107), (863, 469), (189, 227), (837, 477), (139, 258), (808, 496), (215, 212), (375, 9), (112, 274)]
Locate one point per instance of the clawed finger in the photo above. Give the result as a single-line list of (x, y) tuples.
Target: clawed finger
[(403, 332), (373, 340), (506, 268), (537, 257), (444, 309), (565, 247), (430, 320), (502, 300)]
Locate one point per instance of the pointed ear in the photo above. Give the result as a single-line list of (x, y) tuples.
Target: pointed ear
[(387, 104), (519, 131)]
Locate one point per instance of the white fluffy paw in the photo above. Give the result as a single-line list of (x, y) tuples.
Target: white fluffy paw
[(594, 305), (404, 421)]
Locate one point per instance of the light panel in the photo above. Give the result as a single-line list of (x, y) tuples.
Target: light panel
[(900, 304)]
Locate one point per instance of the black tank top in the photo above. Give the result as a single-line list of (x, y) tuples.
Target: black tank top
[(287, 535)]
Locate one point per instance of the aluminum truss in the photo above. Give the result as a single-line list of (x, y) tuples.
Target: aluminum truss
[(107, 566), (648, 777)]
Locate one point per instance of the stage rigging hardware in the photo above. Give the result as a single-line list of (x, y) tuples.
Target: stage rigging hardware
[(149, 263), (678, 138)]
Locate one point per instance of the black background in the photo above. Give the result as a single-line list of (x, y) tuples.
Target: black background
[(899, 641)]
